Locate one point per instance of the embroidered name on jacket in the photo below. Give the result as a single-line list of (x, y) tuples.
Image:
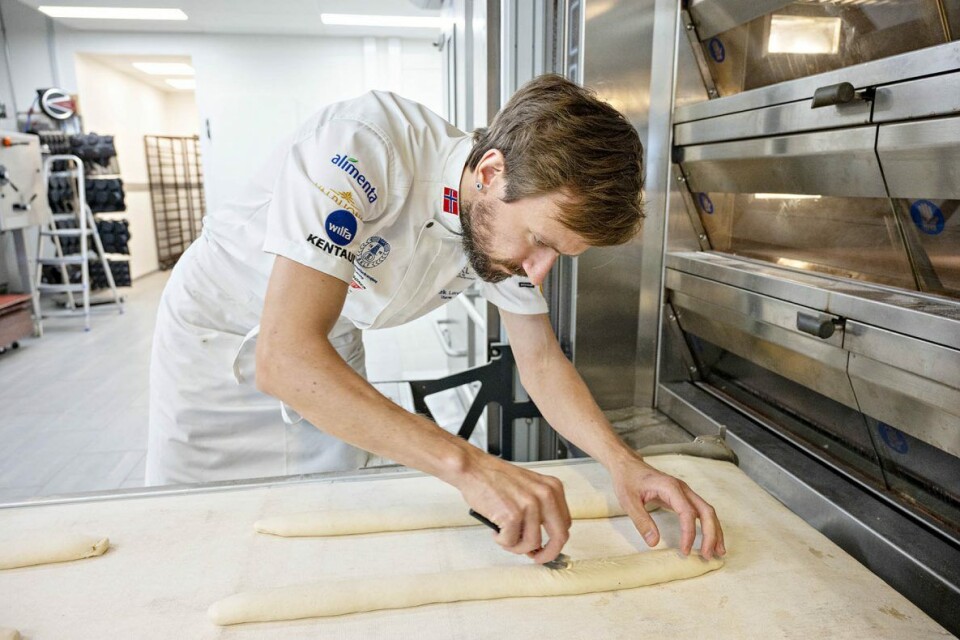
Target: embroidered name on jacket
[(349, 166), (330, 248)]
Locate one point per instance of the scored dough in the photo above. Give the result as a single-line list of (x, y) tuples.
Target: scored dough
[(338, 597), (50, 547), (344, 522)]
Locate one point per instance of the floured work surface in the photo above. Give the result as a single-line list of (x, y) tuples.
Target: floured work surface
[(173, 556)]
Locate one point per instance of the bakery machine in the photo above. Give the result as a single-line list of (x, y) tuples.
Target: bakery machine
[(812, 264), (23, 206), (797, 283)]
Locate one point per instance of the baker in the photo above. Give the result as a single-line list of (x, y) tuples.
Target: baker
[(376, 212)]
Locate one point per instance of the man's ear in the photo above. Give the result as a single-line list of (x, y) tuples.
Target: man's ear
[(490, 170)]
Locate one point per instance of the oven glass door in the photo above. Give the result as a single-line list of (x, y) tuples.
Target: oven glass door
[(811, 37)]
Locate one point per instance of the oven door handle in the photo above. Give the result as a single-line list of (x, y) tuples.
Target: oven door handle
[(817, 325), (838, 94)]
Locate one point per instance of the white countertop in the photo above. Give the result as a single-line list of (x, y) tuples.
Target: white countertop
[(172, 556)]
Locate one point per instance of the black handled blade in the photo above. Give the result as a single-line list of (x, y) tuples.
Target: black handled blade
[(560, 562), (485, 521)]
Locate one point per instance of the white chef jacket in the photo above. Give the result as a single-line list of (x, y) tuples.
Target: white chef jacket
[(366, 191)]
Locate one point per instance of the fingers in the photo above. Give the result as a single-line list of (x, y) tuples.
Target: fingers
[(711, 543), (511, 528), (543, 507), (565, 520), (689, 508), (674, 495), (557, 523), (646, 526), (657, 489), (531, 537)]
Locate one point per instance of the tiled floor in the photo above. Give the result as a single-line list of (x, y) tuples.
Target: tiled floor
[(74, 403)]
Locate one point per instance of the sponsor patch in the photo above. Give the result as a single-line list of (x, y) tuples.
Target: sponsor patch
[(329, 247), (343, 199), (348, 164), (526, 285), (341, 227), (373, 252), (451, 201)]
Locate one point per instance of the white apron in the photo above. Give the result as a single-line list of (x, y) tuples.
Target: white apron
[(208, 421)]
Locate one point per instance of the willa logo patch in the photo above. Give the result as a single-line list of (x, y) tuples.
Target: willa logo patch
[(341, 227), (349, 165)]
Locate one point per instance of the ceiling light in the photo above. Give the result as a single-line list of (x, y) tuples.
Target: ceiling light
[(182, 83), (353, 20), (804, 34), (165, 68), (113, 13)]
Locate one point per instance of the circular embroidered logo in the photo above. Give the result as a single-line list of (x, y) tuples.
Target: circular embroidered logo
[(341, 226), (373, 252)]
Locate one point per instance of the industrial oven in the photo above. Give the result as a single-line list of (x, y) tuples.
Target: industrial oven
[(797, 284)]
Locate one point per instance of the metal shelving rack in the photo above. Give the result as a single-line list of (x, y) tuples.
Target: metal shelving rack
[(176, 191)]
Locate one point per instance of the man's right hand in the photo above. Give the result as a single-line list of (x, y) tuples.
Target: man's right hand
[(518, 501)]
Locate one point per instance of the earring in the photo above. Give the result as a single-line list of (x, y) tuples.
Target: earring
[(479, 186)]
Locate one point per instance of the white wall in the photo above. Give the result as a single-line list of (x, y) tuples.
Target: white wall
[(30, 58), (181, 117)]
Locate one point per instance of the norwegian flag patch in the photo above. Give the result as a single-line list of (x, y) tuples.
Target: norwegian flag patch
[(451, 201)]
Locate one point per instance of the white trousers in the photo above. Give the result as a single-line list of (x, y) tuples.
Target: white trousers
[(206, 423)]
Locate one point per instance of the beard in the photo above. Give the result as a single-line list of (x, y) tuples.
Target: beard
[(475, 220)]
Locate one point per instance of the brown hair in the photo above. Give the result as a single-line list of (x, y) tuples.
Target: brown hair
[(555, 135)]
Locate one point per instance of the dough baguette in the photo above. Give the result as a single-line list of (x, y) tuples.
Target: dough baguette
[(339, 597), (344, 522), (49, 548)]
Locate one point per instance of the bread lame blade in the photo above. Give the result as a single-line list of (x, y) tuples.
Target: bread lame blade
[(562, 561)]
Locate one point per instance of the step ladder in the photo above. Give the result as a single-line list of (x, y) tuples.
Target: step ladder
[(86, 232)]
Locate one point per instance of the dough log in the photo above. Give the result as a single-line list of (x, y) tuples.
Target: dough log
[(48, 548), (339, 597), (344, 522)]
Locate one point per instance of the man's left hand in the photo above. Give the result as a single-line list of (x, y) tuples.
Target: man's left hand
[(637, 484)]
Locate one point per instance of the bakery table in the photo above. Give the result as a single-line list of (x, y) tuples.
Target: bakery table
[(174, 553)]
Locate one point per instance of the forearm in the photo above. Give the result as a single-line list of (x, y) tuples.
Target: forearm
[(565, 401), (313, 379)]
